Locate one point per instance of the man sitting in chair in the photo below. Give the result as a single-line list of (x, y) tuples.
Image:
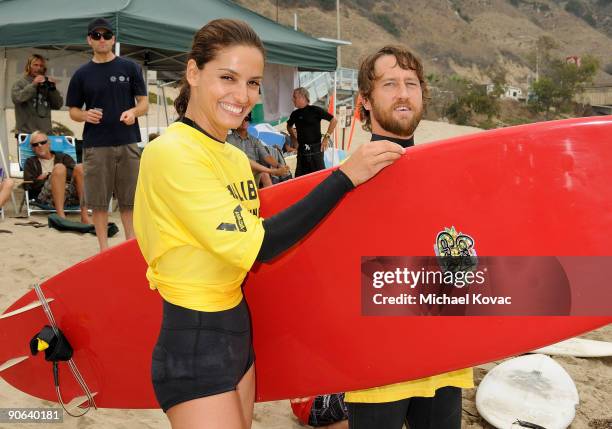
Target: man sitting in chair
[(52, 178), (259, 158)]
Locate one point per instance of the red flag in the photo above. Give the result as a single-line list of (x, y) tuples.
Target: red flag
[(330, 109)]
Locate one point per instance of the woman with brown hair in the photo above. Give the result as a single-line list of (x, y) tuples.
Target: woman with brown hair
[(197, 224)]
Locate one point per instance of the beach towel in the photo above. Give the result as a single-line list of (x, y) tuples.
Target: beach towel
[(62, 224)]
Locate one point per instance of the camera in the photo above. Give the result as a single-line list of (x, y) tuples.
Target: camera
[(47, 85)]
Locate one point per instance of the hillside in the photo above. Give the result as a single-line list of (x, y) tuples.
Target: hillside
[(467, 37)]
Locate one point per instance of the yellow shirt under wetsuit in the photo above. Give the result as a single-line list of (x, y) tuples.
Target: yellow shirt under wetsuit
[(425, 387), (196, 219)]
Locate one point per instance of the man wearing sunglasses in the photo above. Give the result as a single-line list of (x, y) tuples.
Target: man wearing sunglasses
[(108, 94), (52, 178)]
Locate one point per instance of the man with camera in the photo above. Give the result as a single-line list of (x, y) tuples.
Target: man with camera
[(34, 95)]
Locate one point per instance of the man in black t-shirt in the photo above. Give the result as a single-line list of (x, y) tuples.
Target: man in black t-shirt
[(307, 130), (107, 87)]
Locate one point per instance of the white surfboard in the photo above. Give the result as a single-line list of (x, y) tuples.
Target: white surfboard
[(532, 388), (578, 347)]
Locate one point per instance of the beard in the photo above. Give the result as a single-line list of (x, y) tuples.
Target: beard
[(399, 127)]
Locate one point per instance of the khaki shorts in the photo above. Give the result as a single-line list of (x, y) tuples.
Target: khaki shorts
[(108, 170)]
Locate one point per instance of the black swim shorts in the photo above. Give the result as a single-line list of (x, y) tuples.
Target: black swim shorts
[(200, 353), (327, 410)]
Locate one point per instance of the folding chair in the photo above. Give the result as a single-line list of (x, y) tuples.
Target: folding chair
[(63, 144)]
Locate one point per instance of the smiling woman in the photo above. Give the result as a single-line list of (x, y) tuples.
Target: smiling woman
[(200, 236), (223, 77)]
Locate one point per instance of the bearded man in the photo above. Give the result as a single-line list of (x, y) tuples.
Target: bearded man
[(394, 92)]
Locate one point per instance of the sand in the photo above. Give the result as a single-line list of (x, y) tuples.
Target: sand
[(31, 255)]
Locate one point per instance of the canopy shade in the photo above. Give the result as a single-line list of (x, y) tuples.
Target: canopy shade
[(164, 26)]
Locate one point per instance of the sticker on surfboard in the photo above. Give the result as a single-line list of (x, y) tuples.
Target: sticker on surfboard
[(455, 250)]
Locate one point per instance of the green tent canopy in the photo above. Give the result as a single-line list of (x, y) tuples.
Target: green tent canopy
[(156, 33), (160, 27)]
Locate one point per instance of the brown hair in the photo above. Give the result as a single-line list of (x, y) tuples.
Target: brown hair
[(208, 41), (365, 81), (303, 92), (28, 67)]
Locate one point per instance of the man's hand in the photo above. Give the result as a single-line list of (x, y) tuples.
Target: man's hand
[(128, 117), (39, 79), (43, 176), (324, 143), (369, 159), (281, 171), (93, 116), (292, 133)]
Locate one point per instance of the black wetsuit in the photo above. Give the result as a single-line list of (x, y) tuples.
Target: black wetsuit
[(307, 121), (402, 142), (442, 411)]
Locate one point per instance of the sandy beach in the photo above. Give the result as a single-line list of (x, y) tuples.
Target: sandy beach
[(31, 255)]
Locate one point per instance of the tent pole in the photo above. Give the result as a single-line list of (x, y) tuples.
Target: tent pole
[(146, 74), (4, 139), (4, 166), (158, 102), (335, 104), (335, 94), (163, 91), (3, 96)]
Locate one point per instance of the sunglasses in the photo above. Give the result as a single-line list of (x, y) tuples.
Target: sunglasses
[(42, 143), (96, 35)]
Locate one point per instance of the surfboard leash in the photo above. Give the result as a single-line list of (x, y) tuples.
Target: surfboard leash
[(57, 348)]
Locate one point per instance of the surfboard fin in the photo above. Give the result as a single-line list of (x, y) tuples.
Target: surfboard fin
[(78, 401), (30, 306), (12, 362), (529, 425)]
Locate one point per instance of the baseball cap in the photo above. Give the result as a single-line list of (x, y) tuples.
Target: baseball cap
[(99, 23)]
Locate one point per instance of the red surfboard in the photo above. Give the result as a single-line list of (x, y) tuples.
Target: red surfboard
[(541, 189)]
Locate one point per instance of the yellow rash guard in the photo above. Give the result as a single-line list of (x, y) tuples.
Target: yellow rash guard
[(196, 219)]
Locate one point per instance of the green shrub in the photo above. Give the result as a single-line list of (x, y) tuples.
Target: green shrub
[(385, 21)]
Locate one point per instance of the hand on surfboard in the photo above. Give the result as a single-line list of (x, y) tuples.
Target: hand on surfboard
[(369, 159)]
